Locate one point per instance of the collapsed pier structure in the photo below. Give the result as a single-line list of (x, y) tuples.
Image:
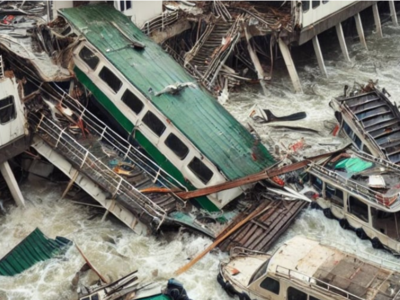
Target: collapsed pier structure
[(221, 44), (225, 43)]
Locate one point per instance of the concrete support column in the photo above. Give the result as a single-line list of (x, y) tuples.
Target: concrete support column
[(393, 13), (342, 41), (290, 66), (360, 30), (377, 20), (320, 58), (12, 183)]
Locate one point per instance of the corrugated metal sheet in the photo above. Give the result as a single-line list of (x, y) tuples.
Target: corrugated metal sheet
[(215, 132), (34, 248)]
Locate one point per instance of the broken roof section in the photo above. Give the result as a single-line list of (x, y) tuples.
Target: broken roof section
[(34, 248), (214, 131)]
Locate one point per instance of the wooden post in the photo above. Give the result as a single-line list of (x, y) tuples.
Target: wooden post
[(393, 13), (12, 183), (342, 41), (360, 30), (320, 58), (290, 66), (377, 20)]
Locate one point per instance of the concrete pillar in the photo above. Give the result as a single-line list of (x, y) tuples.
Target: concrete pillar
[(290, 66), (342, 41), (320, 58), (12, 183), (377, 20), (393, 13), (360, 30)]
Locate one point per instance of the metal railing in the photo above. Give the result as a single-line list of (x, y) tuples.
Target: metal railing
[(313, 282), (353, 186), (96, 170), (165, 19), (119, 144)]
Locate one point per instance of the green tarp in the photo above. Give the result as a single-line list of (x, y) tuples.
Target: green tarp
[(353, 165), (34, 248)]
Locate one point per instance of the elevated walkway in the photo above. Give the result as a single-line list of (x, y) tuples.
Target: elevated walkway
[(105, 165)]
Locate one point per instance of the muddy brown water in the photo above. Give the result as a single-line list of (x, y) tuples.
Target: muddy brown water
[(116, 250)]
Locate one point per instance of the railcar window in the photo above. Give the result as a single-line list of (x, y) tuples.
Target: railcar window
[(7, 109), (122, 5), (333, 194), (357, 141), (128, 4), (317, 183), (200, 170), (358, 208), (366, 150), (261, 271), (132, 101), (325, 1), (294, 294), (89, 58), (313, 298), (348, 130), (111, 79), (95, 297), (315, 4), (154, 123), (305, 5), (271, 285), (177, 146), (386, 223)]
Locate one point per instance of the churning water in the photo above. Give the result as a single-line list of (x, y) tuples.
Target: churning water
[(115, 250)]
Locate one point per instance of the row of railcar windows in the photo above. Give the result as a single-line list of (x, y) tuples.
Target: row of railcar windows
[(149, 119), (273, 286), (315, 4)]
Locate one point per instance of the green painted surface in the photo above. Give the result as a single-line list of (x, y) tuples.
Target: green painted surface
[(215, 132), (157, 156), (34, 248)]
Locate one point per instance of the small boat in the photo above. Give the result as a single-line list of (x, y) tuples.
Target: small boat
[(362, 193), (371, 121), (303, 269)]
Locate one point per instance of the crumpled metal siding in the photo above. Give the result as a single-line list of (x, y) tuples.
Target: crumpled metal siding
[(212, 129), (34, 248)]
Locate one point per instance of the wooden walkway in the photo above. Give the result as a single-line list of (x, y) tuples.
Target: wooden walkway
[(261, 232)]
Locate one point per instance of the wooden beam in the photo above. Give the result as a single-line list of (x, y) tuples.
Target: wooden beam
[(220, 239), (251, 178)]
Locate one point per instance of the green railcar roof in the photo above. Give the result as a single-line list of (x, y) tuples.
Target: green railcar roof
[(34, 248), (194, 111)]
